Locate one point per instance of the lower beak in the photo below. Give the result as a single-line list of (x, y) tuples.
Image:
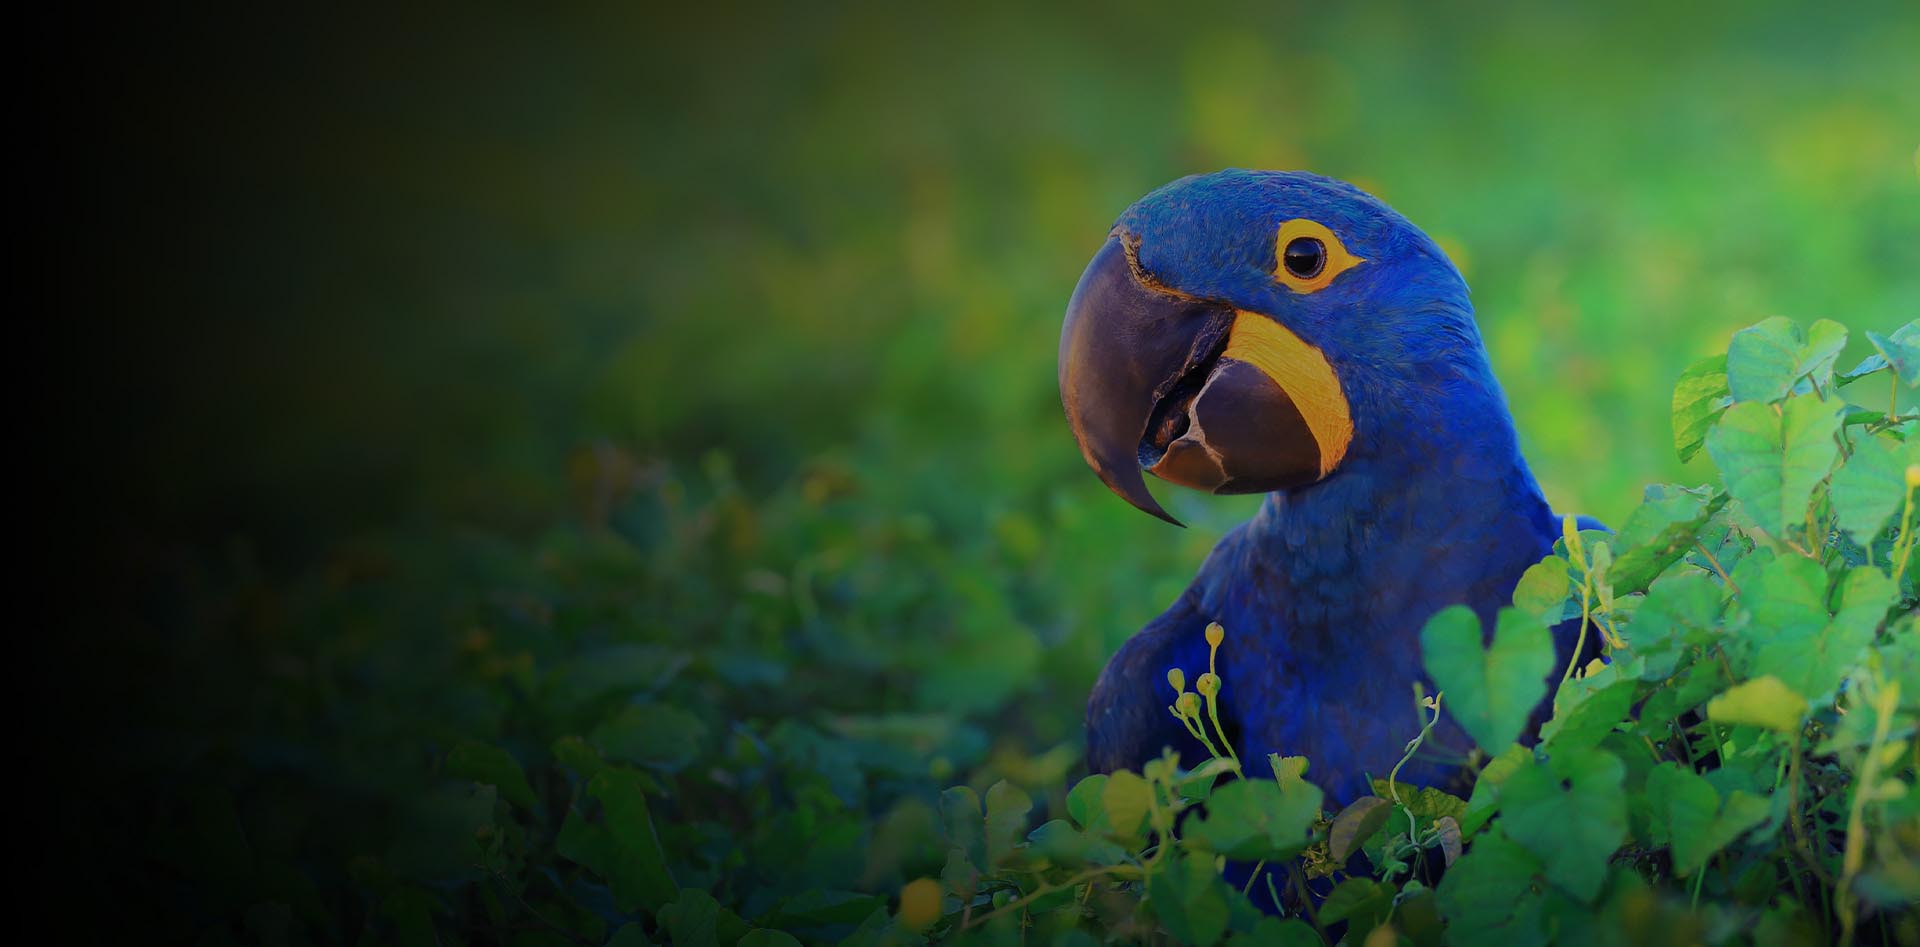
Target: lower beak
[(1194, 392)]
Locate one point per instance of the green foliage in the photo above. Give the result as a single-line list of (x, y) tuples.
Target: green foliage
[(1739, 767), (1496, 688), (674, 424)]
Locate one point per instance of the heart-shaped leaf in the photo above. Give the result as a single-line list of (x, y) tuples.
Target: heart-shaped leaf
[(1699, 397), (1763, 359), (1254, 818), (1766, 360), (1762, 702), (1771, 462), (1570, 814), (1488, 691), (1694, 819), (1871, 485)]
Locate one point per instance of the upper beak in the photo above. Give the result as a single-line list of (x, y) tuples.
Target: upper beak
[(1191, 390)]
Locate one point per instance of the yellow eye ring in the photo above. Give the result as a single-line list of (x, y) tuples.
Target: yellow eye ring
[(1308, 257)]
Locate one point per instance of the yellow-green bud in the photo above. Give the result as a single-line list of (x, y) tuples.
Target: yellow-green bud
[(1208, 684), (1913, 476), (1215, 634), (920, 904), (1178, 679), (1188, 705)]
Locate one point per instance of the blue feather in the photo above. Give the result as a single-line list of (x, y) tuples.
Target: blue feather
[(1324, 592)]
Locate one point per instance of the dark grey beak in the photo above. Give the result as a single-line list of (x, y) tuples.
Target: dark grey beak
[(1150, 382)]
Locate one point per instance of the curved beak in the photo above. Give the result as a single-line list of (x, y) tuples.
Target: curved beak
[(1192, 391)]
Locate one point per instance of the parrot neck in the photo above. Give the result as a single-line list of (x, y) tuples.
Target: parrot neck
[(1423, 517)]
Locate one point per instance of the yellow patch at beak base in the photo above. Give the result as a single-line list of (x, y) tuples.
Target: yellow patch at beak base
[(1303, 372)]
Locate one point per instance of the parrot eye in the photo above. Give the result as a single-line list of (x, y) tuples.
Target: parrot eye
[(1304, 257), (1310, 256)]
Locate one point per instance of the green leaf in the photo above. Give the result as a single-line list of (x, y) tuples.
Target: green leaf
[(1084, 805), (1699, 398), (1899, 351), (1762, 702), (1659, 531), (763, 937), (1288, 771), (818, 906), (1487, 895), (660, 736), (1485, 797), (1190, 900), (1826, 339), (1783, 595), (483, 763), (1679, 612), (622, 847), (1543, 590), (1007, 808), (1586, 709), (1127, 799), (1425, 802), (1362, 902), (1571, 815), (1491, 692), (1691, 685), (1765, 359), (1902, 352), (1692, 817), (959, 876), (1790, 635), (966, 827), (1059, 841), (1355, 824), (1866, 594), (1252, 819), (1772, 463), (1871, 485), (575, 754), (1274, 932), (695, 919)]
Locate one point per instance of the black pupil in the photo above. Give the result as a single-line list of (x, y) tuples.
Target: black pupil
[(1305, 257)]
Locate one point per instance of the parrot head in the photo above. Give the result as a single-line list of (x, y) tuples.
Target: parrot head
[(1251, 331)]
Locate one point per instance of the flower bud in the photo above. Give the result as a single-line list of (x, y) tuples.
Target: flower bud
[(1208, 684), (1188, 705), (1913, 476), (920, 904), (1215, 634), (1178, 679)]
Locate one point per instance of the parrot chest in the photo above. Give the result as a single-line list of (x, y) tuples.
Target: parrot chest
[(1322, 652)]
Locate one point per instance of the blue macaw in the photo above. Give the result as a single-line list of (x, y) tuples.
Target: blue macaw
[(1286, 333)]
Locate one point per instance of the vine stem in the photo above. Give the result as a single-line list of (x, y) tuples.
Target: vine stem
[(1257, 868), (1904, 545), (1586, 616), (1715, 563), (1805, 848), (1044, 890), (1216, 634), (1199, 731), (1413, 745), (1306, 898), (1884, 704)]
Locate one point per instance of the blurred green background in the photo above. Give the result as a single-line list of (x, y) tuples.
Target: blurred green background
[(438, 376)]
